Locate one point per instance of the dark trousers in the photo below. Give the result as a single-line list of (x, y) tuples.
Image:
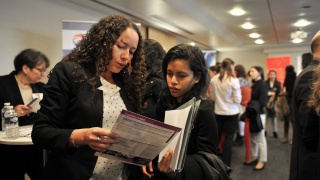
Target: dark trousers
[(228, 125)]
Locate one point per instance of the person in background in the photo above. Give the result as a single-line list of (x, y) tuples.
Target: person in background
[(242, 76), (304, 163), (154, 54), (274, 87), (306, 59), (83, 98), (186, 74), (288, 84), (227, 96), (258, 140), (213, 70), (18, 88)]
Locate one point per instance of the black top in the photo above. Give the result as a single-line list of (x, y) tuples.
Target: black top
[(276, 88), (10, 92), (260, 93), (305, 125)]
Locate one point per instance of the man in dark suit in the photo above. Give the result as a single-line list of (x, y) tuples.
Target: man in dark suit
[(303, 156)]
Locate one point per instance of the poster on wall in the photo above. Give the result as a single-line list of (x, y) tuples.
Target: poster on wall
[(72, 33), (210, 57), (278, 64)]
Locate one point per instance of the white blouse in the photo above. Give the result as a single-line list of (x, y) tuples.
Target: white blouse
[(112, 106)]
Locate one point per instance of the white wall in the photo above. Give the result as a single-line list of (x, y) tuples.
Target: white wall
[(247, 58), (258, 57), (36, 24)]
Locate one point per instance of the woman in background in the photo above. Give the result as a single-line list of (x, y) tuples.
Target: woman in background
[(241, 74), (154, 54), (227, 96), (288, 84), (19, 88), (274, 87), (258, 140)]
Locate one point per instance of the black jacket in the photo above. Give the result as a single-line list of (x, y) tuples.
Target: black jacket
[(9, 92), (253, 114), (260, 93), (305, 124), (67, 106)]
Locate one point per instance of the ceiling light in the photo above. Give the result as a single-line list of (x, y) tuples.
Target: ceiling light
[(299, 34), (237, 12), (301, 23), (192, 44), (259, 41), (297, 40), (254, 35), (247, 25)]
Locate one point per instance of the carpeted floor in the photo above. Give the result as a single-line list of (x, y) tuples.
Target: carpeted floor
[(277, 167)]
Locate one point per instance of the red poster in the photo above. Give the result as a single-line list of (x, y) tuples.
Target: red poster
[(279, 65)]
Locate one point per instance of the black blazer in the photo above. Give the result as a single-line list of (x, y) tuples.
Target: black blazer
[(67, 106), (9, 92), (276, 88), (260, 93), (302, 160)]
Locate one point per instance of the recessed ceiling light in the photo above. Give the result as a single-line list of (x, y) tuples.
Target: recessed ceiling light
[(247, 25), (297, 40), (237, 12), (301, 23), (259, 41), (192, 44), (254, 35)]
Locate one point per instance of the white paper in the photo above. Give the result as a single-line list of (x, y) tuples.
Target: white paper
[(176, 118)]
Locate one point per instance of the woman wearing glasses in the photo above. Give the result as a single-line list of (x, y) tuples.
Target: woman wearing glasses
[(19, 88)]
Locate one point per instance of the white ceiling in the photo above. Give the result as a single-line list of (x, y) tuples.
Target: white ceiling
[(209, 25)]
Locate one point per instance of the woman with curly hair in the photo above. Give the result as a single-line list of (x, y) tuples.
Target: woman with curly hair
[(84, 95)]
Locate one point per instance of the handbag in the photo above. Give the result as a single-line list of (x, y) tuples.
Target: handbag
[(253, 114)]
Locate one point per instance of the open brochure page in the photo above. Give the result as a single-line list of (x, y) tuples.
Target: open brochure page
[(141, 138)]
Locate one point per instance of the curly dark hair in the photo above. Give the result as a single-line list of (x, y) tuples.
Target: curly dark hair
[(154, 54), (195, 59), (94, 53)]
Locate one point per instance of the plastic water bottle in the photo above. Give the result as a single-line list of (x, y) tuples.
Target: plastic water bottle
[(3, 125), (12, 123)]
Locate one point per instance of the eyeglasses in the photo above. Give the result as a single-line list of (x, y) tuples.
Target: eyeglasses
[(43, 70)]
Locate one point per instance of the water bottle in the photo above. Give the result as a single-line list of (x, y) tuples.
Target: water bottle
[(12, 123), (3, 125)]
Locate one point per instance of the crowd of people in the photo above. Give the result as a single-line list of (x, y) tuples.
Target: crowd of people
[(113, 69)]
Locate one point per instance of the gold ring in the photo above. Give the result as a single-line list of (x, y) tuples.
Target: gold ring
[(98, 139)]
